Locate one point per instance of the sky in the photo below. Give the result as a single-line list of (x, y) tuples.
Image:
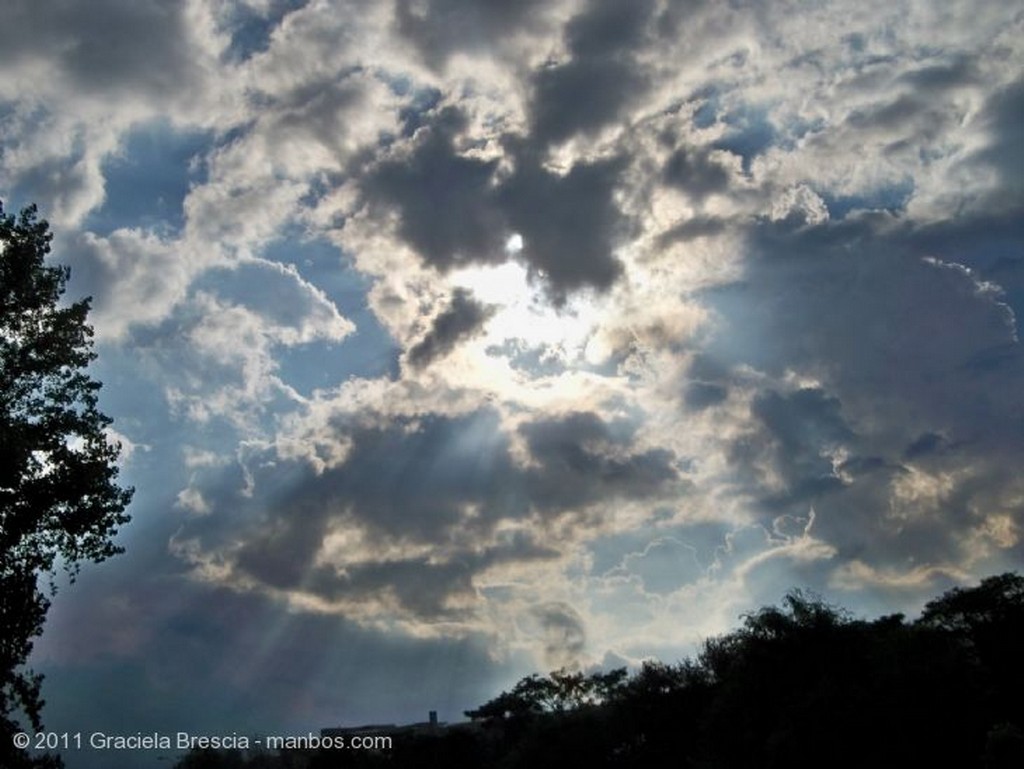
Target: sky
[(449, 341)]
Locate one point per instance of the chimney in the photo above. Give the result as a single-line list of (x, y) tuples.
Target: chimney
[(433, 719)]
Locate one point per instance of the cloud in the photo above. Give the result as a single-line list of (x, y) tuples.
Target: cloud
[(463, 318), (1004, 152), (133, 276), (97, 72), (210, 342), (697, 302), (599, 78), (443, 198), (138, 48), (583, 459), (804, 427), (890, 436), (420, 516), (570, 224), (562, 632), (454, 209), (252, 24), (442, 28), (283, 672), (294, 311), (664, 565), (696, 173)]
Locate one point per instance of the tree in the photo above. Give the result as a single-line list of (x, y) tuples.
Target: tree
[(59, 500), (561, 691), (989, 621)]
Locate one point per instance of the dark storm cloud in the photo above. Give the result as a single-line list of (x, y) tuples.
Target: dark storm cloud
[(570, 224), (280, 556), (581, 96), (439, 28), (411, 479), (462, 319), (444, 199), (880, 311), (909, 442), (454, 212), (695, 173), (806, 417), (583, 459), (864, 522), (601, 76), (414, 479), (402, 483), (860, 297), (415, 482), (1002, 116), (991, 244), (136, 45), (801, 426), (423, 586), (924, 445), (608, 27)]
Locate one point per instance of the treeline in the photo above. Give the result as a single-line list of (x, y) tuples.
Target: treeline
[(799, 685)]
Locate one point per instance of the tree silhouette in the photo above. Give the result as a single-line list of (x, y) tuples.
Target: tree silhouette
[(562, 690), (58, 495), (804, 684), (988, 622)]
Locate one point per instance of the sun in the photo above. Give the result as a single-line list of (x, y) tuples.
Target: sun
[(522, 310)]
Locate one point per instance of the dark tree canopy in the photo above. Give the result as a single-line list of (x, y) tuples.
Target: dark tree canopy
[(59, 500), (804, 684), (561, 691)]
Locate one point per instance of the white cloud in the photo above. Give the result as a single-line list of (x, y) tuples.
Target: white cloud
[(729, 263)]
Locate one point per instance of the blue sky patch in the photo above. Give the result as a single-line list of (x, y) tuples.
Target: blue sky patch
[(146, 183)]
